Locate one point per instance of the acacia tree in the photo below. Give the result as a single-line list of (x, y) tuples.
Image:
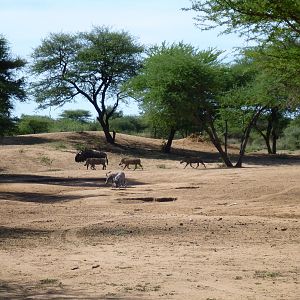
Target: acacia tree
[(256, 19), (80, 115), (270, 126), (88, 65), (180, 85), (170, 77), (274, 25), (11, 87)]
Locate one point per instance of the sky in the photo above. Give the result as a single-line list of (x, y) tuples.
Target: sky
[(25, 23)]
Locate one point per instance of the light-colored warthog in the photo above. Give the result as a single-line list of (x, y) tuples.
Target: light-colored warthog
[(117, 179), (192, 160), (130, 161)]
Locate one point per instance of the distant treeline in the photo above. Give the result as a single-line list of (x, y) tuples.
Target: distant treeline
[(138, 125)]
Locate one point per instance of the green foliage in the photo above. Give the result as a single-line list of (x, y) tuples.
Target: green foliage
[(80, 115), (92, 65), (40, 124), (11, 87), (171, 80), (129, 124), (73, 125), (291, 136), (274, 25), (34, 124), (266, 19)]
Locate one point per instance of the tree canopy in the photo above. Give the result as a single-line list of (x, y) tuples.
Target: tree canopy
[(274, 25), (259, 19), (80, 115), (90, 65), (171, 77), (11, 87)]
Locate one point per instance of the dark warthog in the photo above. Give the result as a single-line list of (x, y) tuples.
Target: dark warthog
[(193, 160), (84, 154)]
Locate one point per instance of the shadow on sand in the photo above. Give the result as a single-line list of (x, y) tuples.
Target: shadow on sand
[(85, 182), (51, 289)]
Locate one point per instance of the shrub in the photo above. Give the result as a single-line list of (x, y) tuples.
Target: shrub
[(291, 138), (34, 124)]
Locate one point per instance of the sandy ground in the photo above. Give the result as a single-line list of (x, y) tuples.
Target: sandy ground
[(173, 233)]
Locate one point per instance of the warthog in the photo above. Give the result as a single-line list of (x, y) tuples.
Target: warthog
[(95, 161), (84, 154), (192, 160), (130, 161), (117, 179)]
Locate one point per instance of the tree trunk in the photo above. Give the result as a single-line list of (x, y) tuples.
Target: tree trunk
[(210, 130), (274, 143), (167, 146), (105, 126), (275, 121), (271, 132), (266, 136), (246, 136), (226, 136)]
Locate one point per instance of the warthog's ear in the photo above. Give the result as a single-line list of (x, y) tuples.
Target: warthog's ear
[(107, 173)]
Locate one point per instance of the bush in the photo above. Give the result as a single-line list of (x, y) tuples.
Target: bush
[(34, 124), (291, 138), (69, 125), (128, 124)]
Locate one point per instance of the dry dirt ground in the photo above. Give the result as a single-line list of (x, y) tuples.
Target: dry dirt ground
[(173, 233)]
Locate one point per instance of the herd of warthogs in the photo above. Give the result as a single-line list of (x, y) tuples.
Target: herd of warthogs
[(93, 157)]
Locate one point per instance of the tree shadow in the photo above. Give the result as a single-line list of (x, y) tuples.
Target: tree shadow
[(85, 182), (37, 197), (53, 180), (154, 152), (24, 140), (271, 159), (49, 288), (209, 157), (16, 233)]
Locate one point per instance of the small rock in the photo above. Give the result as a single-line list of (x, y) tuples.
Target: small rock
[(95, 266)]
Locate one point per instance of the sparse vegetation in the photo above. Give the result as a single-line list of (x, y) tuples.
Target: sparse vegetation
[(49, 281), (47, 161), (59, 145), (266, 274), (161, 166)]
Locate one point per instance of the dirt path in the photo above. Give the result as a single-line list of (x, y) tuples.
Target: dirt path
[(172, 234)]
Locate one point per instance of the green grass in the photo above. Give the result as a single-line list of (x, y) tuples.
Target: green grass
[(45, 160), (266, 274), (49, 281)]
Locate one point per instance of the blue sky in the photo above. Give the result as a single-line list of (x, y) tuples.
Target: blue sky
[(24, 23)]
